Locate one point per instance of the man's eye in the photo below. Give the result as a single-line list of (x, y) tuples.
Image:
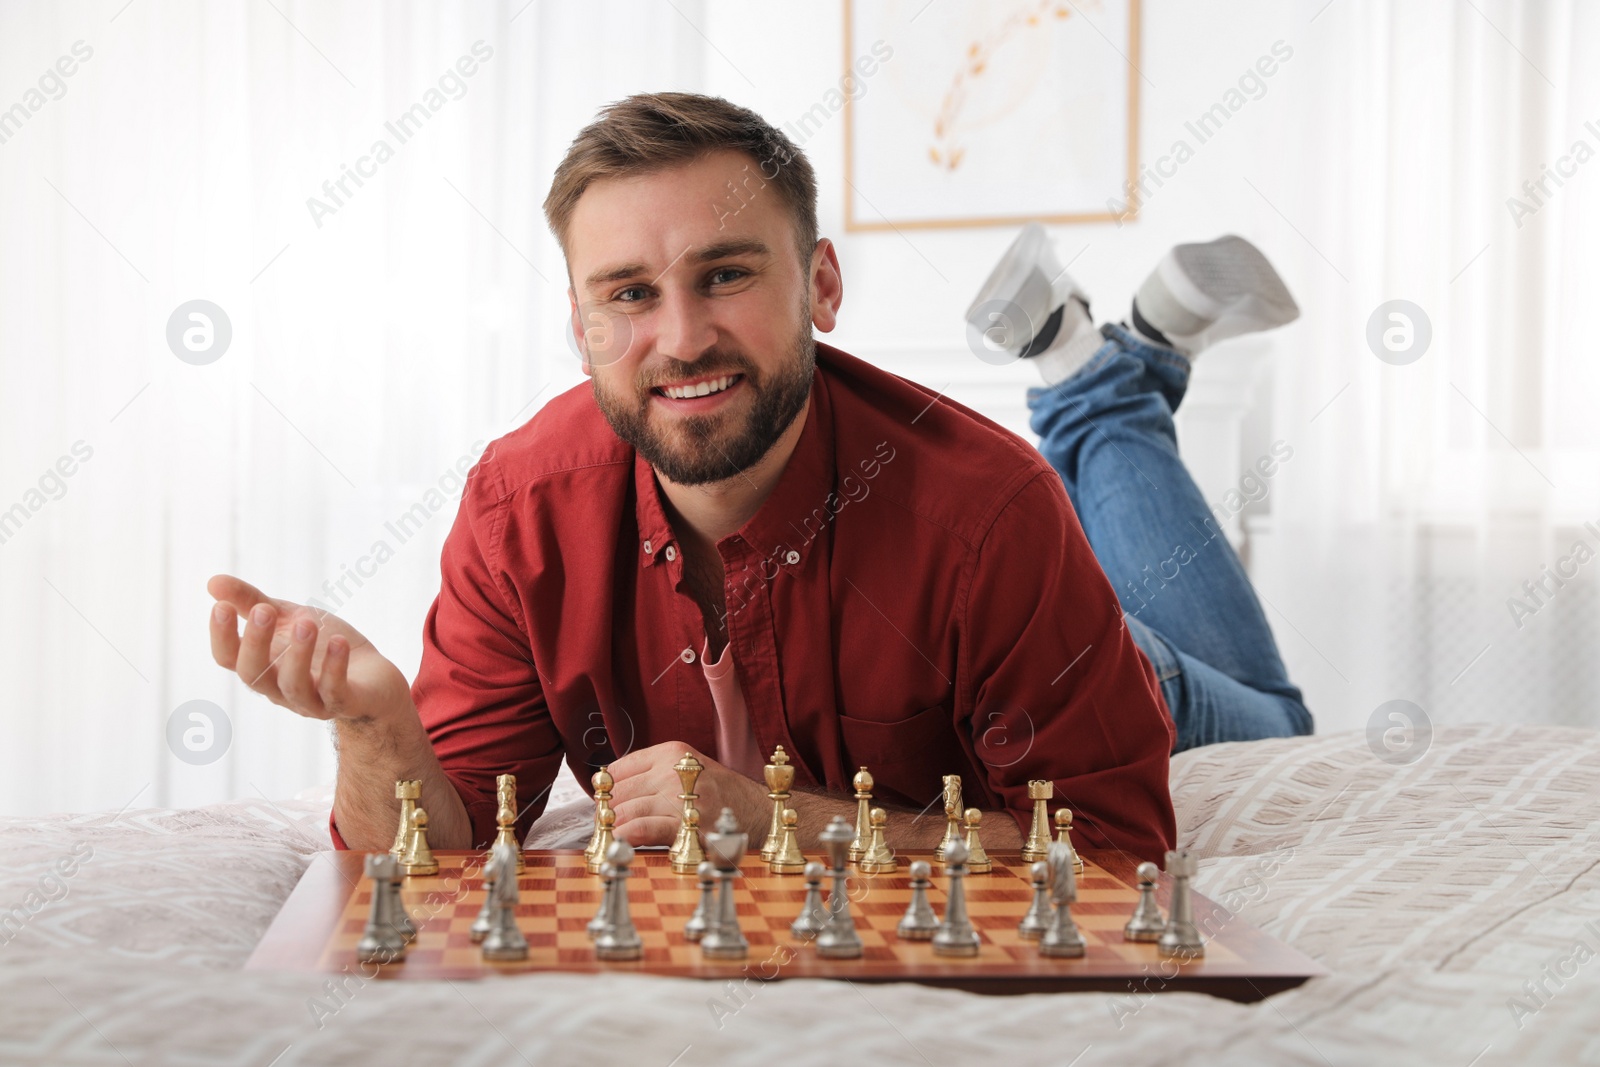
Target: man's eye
[(622, 295), (735, 271)]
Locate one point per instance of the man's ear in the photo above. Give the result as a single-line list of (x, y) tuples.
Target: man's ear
[(576, 326), (827, 286)]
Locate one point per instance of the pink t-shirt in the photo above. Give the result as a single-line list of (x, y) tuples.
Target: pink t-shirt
[(736, 743)]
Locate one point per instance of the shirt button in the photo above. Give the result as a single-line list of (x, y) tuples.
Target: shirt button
[(647, 548), (687, 655), (792, 558), (671, 553)]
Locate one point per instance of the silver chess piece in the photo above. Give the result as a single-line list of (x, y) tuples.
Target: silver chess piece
[(700, 921), (1180, 937), (402, 920), (1147, 921), (619, 940), (812, 915), (919, 922), (504, 941), (1037, 921), (602, 912), (723, 939), (1062, 940), (382, 941), (480, 926), (956, 936), (838, 939)]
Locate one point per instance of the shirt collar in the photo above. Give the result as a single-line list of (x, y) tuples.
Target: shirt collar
[(801, 493)]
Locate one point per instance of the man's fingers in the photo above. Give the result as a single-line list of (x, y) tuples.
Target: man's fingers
[(657, 781), (255, 665), (294, 669), (653, 830), (224, 635), (238, 592), (334, 679)]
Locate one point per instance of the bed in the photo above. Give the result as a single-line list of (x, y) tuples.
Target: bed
[(1454, 900)]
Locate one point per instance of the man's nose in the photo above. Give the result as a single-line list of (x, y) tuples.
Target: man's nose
[(684, 330)]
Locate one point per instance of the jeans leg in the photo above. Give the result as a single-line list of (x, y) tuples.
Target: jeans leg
[(1108, 431)]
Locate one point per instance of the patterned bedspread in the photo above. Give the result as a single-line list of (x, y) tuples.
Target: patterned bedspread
[(1455, 900)]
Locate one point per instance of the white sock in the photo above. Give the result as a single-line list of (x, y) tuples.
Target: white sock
[(1077, 339), (1200, 294)]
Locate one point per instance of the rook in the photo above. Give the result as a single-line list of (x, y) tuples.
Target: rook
[(1181, 938), (382, 941)]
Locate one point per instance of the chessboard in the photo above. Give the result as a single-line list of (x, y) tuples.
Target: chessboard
[(320, 924)]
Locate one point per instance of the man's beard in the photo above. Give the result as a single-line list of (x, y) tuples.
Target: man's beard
[(701, 449)]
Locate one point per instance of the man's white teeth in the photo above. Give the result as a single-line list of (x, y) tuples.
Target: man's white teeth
[(716, 385)]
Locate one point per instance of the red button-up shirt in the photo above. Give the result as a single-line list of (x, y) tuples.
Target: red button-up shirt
[(916, 596)]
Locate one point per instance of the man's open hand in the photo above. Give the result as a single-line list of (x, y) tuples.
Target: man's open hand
[(310, 662), (645, 796)]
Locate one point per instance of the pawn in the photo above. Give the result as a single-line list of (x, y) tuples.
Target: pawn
[(977, 859), (919, 921), (602, 913), (419, 859), (787, 857), (812, 913), (700, 921), (603, 840), (1147, 921), (878, 858), (620, 939), (1037, 921), (1064, 837), (956, 936)]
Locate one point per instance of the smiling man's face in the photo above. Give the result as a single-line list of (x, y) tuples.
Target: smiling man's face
[(681, 286)]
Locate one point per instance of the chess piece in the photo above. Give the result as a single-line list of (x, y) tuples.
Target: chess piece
[(977, 859), (838, 939), (919, 921), (1037, 846), (952, 815), (506, 816), (1064, 837), (780, 776), (1147, 922), (480, 925), (863, 838), (619, 940), (504, 941), (1037, 921), (602, 912), (402, 920), (956, 936), (1181, 938), (812, 914), (879, 858), (408, 791), (787, 857), (1062, 939), (602, 782), (723, 939), (607, 819), (418, 859), (381, 941), (686, 853), (696, 927)]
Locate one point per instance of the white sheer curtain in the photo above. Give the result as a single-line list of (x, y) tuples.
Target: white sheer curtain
[(369, 353), (1425, 495)]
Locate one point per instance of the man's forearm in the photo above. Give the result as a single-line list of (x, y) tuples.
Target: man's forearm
[(906, 829), (373, 756)]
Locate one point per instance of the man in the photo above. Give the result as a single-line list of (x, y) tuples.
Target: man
[(736, 538)]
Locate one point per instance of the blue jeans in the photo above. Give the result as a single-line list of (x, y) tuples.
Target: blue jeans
[(1187, 600)]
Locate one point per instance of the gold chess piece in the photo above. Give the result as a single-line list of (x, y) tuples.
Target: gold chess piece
[(1064, 837), (977, 859), (602, 782), (409, 791), (506, 816), (879, 858), (686, 854), (607, 819), (418, 859), (863, 784), (787, 857), (780, 776), (1037, 847), (952, 815)]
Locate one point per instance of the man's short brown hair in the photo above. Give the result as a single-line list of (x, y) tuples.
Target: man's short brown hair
[(648, 132)]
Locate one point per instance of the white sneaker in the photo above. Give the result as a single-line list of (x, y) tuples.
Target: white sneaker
[(1200, 294), (1030, 308)]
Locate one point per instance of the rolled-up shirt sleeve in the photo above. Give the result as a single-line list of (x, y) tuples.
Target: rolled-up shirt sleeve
[(478, 689), (1059, 691)]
